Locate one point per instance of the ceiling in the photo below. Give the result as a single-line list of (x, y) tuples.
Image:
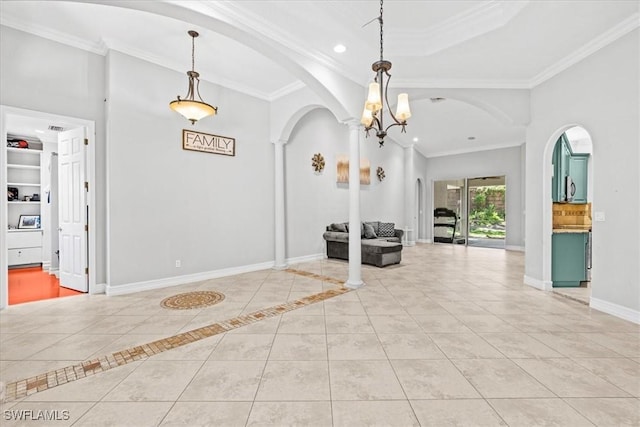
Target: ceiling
[(497, 44)]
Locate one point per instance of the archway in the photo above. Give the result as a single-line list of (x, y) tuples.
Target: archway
[(567, 200)]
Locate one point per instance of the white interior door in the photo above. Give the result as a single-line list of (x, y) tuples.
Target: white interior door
[(72, 210)]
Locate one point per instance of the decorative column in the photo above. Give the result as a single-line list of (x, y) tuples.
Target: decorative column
[(355, 256), (409, 196), (280, 262)]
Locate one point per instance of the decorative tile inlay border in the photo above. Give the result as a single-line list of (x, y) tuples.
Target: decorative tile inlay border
[(26, 387), (315, 276)]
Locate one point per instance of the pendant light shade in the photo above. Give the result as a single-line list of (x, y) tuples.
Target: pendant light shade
[(189, 107)]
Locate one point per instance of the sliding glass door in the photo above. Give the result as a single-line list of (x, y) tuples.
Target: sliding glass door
[(470, 211)]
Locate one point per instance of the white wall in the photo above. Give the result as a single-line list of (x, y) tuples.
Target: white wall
[(600, 93), (315, 200), (506, 161), (165, 203), (42, 75)]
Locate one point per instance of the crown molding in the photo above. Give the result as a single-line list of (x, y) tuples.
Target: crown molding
[(459, 84), (103, 46), (467, 25), (472, 150), (242, 17), (47, 33), (620, 30), (174, 66), (286, 90)]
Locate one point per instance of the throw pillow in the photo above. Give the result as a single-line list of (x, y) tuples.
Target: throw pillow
[(338, 227), (387, 229), (375, 225), (368, 232)]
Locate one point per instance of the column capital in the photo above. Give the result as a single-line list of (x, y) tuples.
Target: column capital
[(354, 124), (280, 142)]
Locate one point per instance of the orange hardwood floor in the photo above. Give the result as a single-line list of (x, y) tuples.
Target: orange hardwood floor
[(34, 284)]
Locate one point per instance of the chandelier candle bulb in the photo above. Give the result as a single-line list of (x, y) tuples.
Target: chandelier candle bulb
[(403, 111), (367, 117), (374, 101)]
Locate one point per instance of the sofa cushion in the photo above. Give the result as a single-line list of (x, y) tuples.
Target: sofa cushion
[(338, 227), (386, 229), (375, 225), (395, 239), (335, 236), (369, 232), (380, 247)]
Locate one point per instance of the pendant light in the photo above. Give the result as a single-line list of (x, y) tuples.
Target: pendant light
[(192, 109), (372, 115)]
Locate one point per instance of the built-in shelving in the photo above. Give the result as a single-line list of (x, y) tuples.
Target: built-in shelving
[(25, 167), (23, 172)]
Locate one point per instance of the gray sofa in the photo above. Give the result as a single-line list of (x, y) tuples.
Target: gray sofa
[(380, 242)]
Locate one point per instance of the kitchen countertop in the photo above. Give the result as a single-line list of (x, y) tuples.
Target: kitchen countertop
[(570, 230)]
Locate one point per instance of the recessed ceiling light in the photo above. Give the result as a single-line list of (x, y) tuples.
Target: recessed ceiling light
[(39, 131), (415, 139), (339, 48), (471, 138)]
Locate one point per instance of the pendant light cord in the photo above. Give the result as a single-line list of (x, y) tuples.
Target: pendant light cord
[(381, 33)]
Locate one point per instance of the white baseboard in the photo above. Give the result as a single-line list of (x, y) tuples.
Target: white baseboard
[(514, 248), (620, 311), (538, 284), (129, 288), (55, 272), (306, 258), (424, 241), (46, 265), (99, 288)]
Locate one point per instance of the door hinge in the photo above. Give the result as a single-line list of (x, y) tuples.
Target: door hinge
[(86, 186), (86, 270), (86, 141)]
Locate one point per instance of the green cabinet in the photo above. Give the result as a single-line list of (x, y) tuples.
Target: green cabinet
[(567, 163), (578, 170), (569, 259), (561, 160)]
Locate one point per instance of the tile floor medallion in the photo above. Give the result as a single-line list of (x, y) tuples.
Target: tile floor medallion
[(191, 300), (26, 387)]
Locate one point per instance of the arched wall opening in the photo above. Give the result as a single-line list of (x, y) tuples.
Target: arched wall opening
[(315, 199), (583, 144)]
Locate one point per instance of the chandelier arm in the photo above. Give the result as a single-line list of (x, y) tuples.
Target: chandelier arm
[(386, 98), (198, 90)]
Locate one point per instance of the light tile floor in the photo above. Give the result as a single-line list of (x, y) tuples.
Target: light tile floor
[(449, 337)]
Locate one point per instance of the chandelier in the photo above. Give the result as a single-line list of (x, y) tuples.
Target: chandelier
[(192, 109), (372, 116)]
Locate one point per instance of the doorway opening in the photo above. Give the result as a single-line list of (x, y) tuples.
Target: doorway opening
[(449, 214), (470, 211), (48, 215), (571, 234), (487, 212)]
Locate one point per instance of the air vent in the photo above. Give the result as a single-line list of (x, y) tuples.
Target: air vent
[(56, 128), (434, 100)]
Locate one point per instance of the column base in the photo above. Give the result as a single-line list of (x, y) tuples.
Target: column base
[(280, 266), (353, 284)]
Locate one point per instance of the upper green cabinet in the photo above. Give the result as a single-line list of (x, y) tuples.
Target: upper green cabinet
[(567, 164), (578, 171)]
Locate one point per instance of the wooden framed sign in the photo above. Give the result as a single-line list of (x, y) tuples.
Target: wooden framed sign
[(207, 143)]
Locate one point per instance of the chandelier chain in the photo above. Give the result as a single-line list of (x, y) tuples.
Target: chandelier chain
[(381, 32)]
